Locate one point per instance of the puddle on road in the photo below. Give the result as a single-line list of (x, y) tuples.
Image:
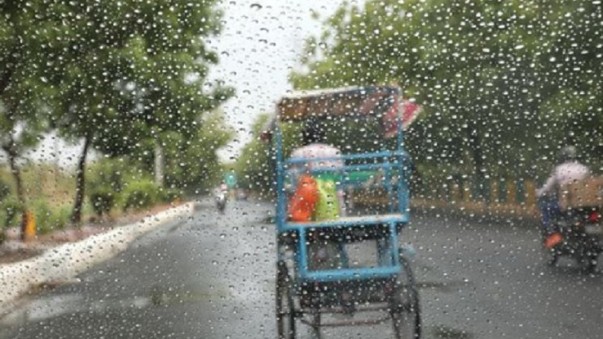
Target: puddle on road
[(162, 297), (445, 332), (440, 286)]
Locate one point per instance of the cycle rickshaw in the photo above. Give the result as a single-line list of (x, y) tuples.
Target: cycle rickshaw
[(305, 294)]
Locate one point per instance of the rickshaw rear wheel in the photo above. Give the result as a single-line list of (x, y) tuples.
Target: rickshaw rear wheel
[(285, 312), (405, 308)]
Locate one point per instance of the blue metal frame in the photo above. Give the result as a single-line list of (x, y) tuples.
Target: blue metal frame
[(392, 163)]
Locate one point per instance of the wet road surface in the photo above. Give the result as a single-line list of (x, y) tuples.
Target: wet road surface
[(212, 276)]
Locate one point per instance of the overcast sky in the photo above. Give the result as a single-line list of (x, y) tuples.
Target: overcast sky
[(260, 43)]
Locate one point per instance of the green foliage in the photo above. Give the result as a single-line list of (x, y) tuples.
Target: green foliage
[(255, 167), (170, 195), (108, 174), (26, 68), (140, 194), (49, 218), (190, 164), (115, 73), (4, 190), (139, 75), (11, 209), (105, 182), (102, 201), (486, 72)]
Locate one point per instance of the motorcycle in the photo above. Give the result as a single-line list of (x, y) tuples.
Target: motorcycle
[(581, 231), (221, 198)]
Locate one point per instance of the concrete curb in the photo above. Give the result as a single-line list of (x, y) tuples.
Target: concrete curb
[(66, 261)]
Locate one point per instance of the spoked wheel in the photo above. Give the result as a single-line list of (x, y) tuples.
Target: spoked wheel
[(405, 309), (285, 313)]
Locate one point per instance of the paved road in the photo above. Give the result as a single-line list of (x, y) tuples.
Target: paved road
[(213, 277)]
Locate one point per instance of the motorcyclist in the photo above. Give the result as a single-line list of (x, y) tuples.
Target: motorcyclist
[(567, 170), (221, 194), (222, 188)]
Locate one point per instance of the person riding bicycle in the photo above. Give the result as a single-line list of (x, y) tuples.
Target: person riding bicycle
[(567, 170)]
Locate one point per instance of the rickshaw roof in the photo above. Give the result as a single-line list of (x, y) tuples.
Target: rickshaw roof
[(361, 101)]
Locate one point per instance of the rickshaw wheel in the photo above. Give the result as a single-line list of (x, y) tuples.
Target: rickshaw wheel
[(285, 313), (405, 309)]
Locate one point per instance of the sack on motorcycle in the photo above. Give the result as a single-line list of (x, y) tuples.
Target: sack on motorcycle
[(585, 193)]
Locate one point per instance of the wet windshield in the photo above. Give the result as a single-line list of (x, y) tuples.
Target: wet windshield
[(301, 169)]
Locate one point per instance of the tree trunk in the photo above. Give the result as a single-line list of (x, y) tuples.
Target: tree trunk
[(80, 182), (16, 172), (478, 160)]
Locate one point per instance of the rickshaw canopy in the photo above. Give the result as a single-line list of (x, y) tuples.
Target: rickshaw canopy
[(355, 102), (377, 102)]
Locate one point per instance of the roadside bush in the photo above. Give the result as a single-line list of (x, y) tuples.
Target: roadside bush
[(42, 213), (105, 182), (171, 195), (102, 200), (49, 219), (59, 218), (108, 174), (4, 190), (11, 208), (140, 194)]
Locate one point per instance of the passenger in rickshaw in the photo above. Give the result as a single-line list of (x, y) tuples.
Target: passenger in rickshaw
[(322, 255), (314, 146)]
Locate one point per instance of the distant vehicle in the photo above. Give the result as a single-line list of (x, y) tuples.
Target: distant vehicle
[(580, 224), (221, 196)]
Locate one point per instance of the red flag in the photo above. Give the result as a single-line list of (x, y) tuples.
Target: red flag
[(406, 110), (410, 111)]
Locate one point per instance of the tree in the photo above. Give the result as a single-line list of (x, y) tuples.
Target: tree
[(486, 71), (191, 163), (136, 70), (254, 167), (29, 44)]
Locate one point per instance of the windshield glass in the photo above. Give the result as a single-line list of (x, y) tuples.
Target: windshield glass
[(301, 169)]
